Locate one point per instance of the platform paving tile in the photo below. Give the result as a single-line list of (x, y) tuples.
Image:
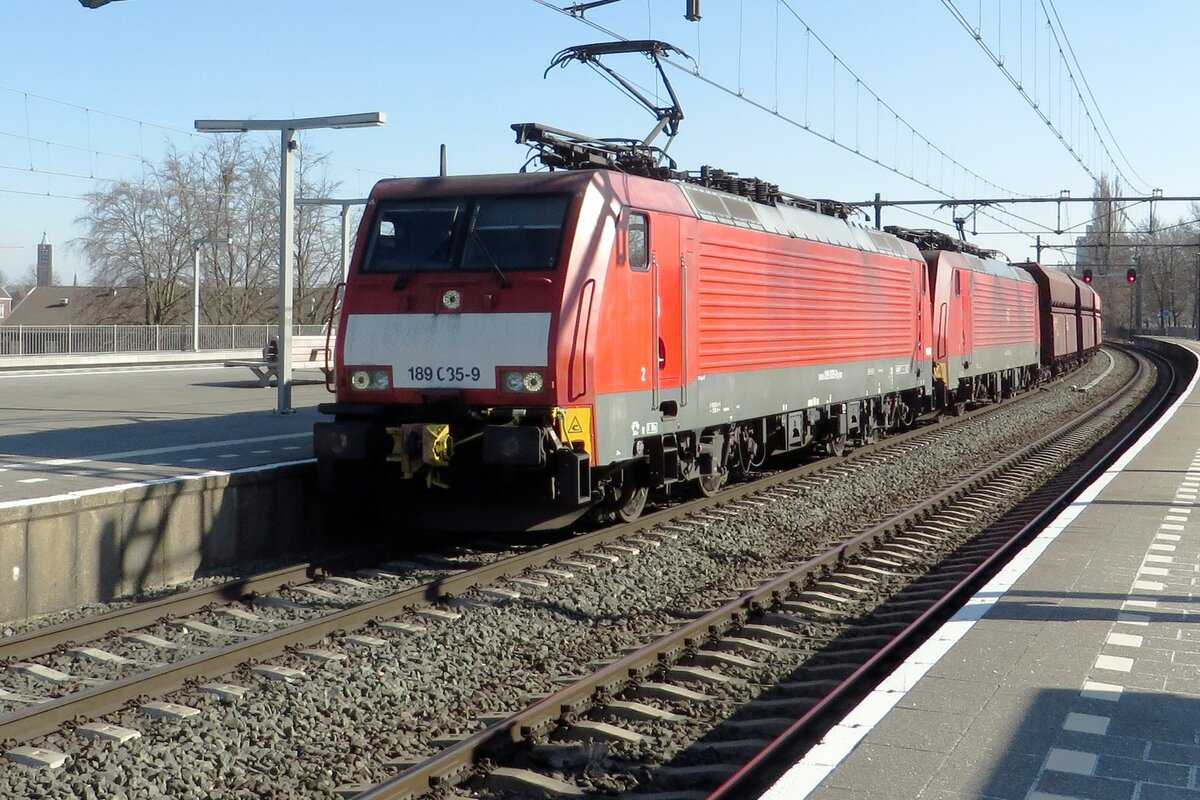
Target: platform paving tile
[(1182, 686), (1185, 658), (1026, 720), (1145, 681), (1050, 671), (1150, 791), (1161, 718), (886, 771), (1174, 753), (1122, 746), (1164, 673), (917, 729), (980, 775), (1137, 769), (991, 657), (949, 695), (1171, 631), (838, 793), (1089, 786)]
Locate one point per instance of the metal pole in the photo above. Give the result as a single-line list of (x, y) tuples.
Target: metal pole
[(196, 296), (287, 224), (1137, 292)]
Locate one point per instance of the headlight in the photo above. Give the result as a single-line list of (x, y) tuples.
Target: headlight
[(375, 379), (522, 380), (534, 382), (513, 382)]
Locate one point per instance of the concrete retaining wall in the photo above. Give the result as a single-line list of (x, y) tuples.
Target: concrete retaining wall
[(65, 551)]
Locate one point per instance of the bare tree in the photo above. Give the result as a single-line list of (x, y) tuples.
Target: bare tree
[(1167, 274), (142, 234), (318, 254)]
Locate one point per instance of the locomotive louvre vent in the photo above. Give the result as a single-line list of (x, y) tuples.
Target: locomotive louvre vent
[(885, 242), (708, 204), (741, 210)]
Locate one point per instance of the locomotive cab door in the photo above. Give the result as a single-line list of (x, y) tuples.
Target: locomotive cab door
[(667, 274), (963, 286)]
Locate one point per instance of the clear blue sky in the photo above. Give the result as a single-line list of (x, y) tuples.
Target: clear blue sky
[(86, 94)]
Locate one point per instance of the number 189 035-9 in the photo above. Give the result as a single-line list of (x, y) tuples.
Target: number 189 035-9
[(444, 373)]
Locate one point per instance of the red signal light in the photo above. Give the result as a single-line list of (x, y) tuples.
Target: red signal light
[(1087, 276), (1131, 275)]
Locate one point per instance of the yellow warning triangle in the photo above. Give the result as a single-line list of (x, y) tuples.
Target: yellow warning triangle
[(575, 427)]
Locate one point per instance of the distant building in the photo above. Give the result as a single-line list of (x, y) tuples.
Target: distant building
[(5, 304), (1087, 250), (45, 263)]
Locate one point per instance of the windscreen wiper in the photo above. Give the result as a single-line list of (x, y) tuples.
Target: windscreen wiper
[(478, 242)]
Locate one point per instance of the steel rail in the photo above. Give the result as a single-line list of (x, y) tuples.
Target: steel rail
[(44, 640), (460, 761)]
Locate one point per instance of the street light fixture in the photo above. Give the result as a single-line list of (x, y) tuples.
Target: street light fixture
[(287, 129), (196, 245)]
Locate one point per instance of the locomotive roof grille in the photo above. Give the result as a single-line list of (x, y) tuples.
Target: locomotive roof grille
[(789, 220)]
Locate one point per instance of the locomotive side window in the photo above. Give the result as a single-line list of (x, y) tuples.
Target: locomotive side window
[(413, 237), (639, 243), (522, 232)]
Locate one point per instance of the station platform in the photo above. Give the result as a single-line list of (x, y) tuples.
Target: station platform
[(1075, 673)]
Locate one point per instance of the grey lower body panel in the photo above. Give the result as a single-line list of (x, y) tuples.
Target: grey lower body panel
[(986, 360), (722, 398)]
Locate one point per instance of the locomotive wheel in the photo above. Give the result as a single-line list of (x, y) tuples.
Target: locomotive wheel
[(708, 485), (633, 499), (836, 446)]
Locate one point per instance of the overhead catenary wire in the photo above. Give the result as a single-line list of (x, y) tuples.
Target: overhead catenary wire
[(1087, 86), (1034, 101)]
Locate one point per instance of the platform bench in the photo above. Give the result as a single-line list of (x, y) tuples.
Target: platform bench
[(308, 352)]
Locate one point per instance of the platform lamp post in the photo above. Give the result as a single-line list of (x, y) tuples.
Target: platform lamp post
[(196, 245), (287, 220)]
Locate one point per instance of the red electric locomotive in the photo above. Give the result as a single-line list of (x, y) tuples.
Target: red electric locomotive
[(985, 315), (562, 340)]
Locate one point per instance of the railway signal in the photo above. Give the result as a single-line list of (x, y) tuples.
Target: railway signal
[(1087, 276), (1131, 275)]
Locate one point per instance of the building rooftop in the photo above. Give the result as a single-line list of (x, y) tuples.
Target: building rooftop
[(78, 305)]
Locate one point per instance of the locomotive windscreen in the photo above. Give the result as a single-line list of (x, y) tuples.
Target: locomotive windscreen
[(514, 232)]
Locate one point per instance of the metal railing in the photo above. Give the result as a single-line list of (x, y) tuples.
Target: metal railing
[(31, 340)]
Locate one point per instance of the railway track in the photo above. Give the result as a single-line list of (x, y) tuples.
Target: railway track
[(801, 611), (837, 622)]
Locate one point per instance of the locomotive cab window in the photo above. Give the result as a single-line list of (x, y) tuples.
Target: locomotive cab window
[(639, 243), (522, 232)]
